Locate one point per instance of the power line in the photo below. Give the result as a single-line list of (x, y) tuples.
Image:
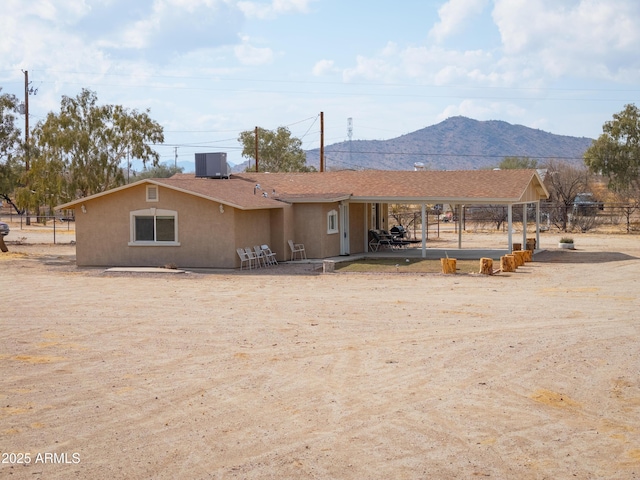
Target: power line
[(48, 72), (578, 94), (310, 127)]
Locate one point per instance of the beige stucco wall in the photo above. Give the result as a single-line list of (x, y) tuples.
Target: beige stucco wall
[(207, 237), (279, 224), (252, 227), (310, 228), (357, 227)]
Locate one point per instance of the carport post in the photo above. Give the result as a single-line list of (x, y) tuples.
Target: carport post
[(524, 225), (510, 226), (424, 231), (460, 213), (538, 224)]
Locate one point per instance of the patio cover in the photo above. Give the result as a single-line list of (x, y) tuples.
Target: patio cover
[(468, 187)]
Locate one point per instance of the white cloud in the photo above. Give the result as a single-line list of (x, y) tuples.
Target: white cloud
[(454, 15), (254, 9), (38, 40), (541, 41), (440, 66), (62, 11), (581, 37), (249, 55), (369, 69), (482, 110), (180, 26), (324, 67)]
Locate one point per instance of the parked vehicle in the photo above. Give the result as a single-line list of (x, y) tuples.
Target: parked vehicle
[(4, 229), (586, 204)]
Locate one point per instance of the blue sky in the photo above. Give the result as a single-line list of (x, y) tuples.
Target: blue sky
[(209, 69)]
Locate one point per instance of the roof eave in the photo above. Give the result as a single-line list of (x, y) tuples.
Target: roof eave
[(294, 199), (430, 200), (72, 205)]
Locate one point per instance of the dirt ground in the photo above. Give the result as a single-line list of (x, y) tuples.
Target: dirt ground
[(294, 374)]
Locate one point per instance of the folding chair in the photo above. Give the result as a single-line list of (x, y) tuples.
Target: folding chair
[(244, 258), (262, 258), (253, 258), (269, 256)]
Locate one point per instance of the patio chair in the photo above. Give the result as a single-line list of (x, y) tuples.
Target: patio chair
[(377, 240), (252, 256), (269, 256), (396, 242), (297, 248), (244, 258), (262, 258)]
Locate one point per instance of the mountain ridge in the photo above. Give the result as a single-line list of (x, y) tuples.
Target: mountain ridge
[(457, 143)]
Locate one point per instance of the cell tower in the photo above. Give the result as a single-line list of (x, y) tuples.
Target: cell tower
[(349, 135)]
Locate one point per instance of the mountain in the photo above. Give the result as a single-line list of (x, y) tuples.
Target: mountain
[(458, 143)]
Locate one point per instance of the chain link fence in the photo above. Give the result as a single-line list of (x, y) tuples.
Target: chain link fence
[(36, 229), (610, 218), (599, 218)]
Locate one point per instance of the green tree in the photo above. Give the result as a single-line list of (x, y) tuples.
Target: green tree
[(278, 151), (616, 153), (158, 171), (513, 163), (10, 155), (90, 141), (47, 180)]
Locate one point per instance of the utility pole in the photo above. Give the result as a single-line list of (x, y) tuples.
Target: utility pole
[(256, 148), (26, 134), (26, 120), (322, 141), (175, 159)]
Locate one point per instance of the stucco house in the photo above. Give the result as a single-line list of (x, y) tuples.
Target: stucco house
[(199, 222)]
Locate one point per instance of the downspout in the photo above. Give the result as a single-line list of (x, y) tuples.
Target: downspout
[(510, 227)]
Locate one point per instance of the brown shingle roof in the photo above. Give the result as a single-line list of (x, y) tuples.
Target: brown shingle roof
[(477, 186), (238, 193), (235, 192), (445, 186)]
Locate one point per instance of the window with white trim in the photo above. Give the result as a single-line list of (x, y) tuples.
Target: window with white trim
[(154, 227), (332, 222), (152, 193)]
